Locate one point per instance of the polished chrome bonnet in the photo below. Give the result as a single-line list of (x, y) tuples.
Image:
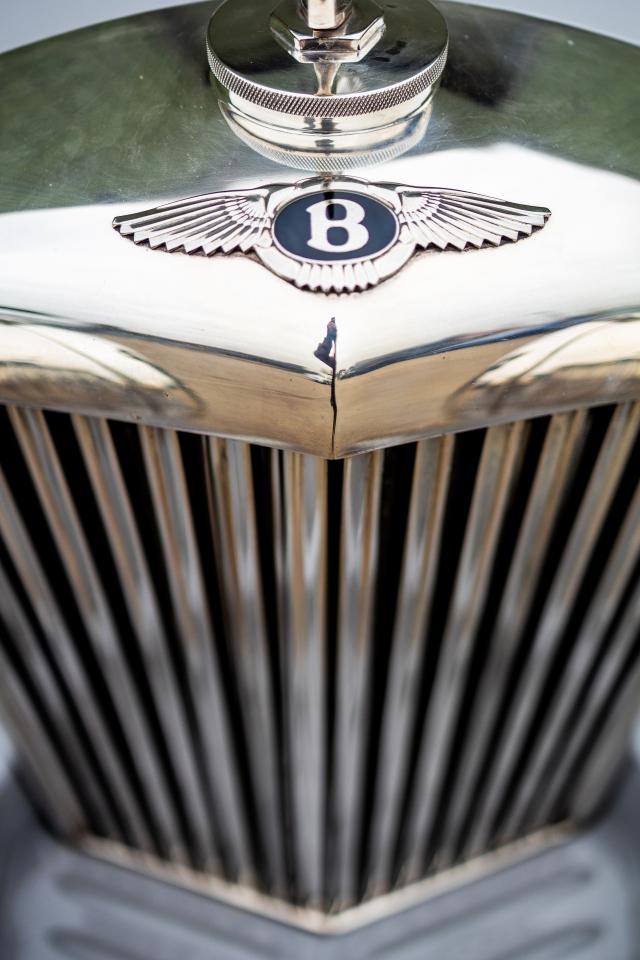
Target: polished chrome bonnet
[(220, 344)]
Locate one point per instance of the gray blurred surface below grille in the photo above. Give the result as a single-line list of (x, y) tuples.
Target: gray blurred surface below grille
[(575, 901), (324, 679)]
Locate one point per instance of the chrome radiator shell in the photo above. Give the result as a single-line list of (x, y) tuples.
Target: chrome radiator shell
[(176, 446), (93, 325)]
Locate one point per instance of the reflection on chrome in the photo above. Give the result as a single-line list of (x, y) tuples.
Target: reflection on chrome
[(583, 363), (41, 362), (242, 342)]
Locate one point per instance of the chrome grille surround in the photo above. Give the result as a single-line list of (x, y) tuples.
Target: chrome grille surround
[(323, 679), (124, 676)]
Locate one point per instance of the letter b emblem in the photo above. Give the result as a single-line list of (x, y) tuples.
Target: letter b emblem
[(342, 217), (335, 225)]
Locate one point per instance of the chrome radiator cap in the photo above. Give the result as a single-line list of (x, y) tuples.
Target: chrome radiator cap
[(357, 91)]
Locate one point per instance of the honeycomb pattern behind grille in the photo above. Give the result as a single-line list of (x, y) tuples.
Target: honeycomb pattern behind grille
[(326, 679)]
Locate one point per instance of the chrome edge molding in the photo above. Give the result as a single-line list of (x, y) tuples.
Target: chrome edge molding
[(352, 919)]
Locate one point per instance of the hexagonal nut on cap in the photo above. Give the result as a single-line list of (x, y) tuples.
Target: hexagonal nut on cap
[(349, 43)]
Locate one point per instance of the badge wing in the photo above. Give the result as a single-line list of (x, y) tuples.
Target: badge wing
[(434, 217), (233, 220)]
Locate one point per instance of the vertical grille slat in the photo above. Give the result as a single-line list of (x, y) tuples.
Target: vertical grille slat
[(170, 495), (324, 680), (600, 490), (493, 483), (53, 701), (60, 643), (109, 488), (54, 789), (358, 566), (66, 528), (423, 546), (564, 438), (614, 673), (301, 545), (584, 655), (233, 507)]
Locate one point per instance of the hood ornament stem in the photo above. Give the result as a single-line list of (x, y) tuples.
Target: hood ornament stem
[(325, 14), (326, 75)]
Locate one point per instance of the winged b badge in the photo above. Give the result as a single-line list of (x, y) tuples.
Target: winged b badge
[(332, 234)]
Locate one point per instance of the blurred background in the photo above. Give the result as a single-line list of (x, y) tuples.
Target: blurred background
[(32, 20)]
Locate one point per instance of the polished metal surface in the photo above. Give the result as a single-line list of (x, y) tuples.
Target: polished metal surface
[(233, 502), (109, 488), (301, 521), (325, 14), (193, 619), (94, 325), (321, 680), (554, 474), (32, 732), (431, 480), (598, 620), (330, 97), (564, 590), (619, 678), (325, 33), (501, 459), (359, 561), (97, 613), (344, 676), (248, 221), (270, 79), (48, 779), (23, 553)]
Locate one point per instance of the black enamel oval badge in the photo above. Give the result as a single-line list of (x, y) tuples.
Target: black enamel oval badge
[(335, 225)]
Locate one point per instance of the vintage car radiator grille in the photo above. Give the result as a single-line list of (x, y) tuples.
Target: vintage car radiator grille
[(322, 678)]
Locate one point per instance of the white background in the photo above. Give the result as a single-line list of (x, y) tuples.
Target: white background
[(23, 21)]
